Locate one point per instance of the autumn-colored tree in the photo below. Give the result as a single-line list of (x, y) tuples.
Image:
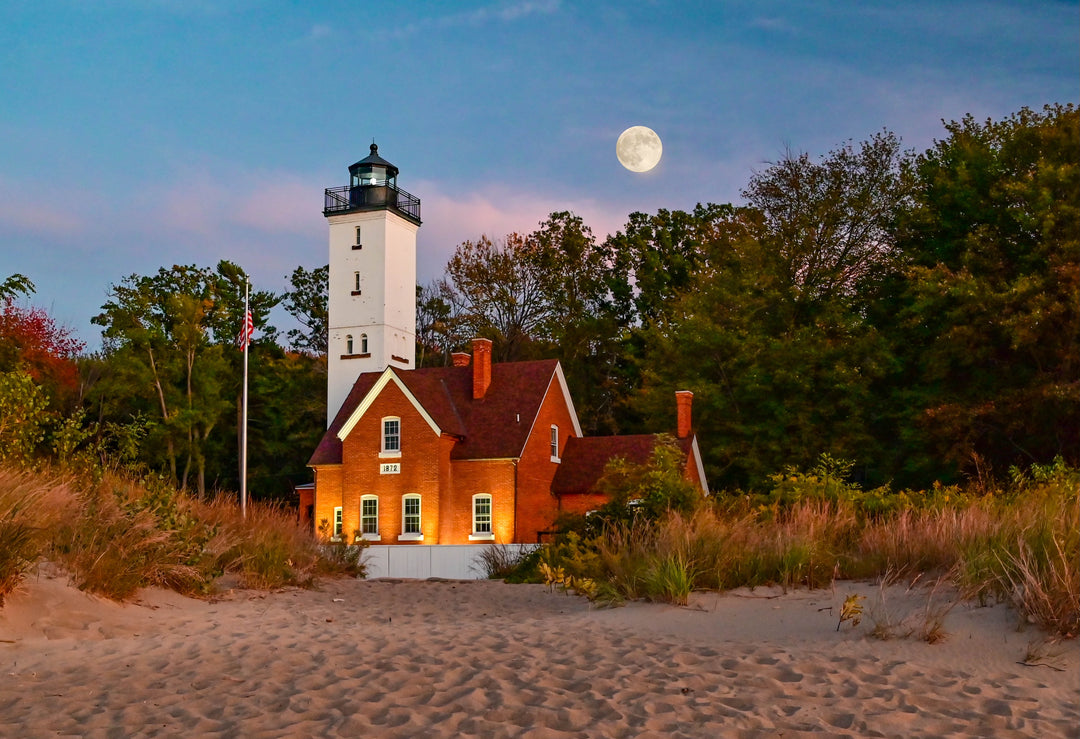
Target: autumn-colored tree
[(32, 341)]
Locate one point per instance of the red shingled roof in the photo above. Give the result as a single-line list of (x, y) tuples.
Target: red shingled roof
[(489, 428), (584, 459)]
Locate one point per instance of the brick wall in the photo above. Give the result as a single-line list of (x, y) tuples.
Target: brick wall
[(494, 477), (537, 507), (423, 458)]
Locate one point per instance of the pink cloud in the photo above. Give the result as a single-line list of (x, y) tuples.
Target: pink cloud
[(451, 218), (24, 208)]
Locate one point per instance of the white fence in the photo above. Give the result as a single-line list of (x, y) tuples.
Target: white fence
[(421, 561)]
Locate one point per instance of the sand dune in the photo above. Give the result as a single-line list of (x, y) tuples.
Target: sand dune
[(408, 659)]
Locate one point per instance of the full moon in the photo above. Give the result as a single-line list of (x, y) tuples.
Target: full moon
[(639, 148)]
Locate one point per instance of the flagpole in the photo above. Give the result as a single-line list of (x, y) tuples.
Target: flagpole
[(244, 410)]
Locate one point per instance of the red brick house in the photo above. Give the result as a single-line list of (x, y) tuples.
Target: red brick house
[(477, 452), (450, 455)]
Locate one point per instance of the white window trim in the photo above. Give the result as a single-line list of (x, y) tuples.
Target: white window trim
[(554, 442), (412, 535), (367, 536), (483, 535), (337, 526), (363, 344), (385, 453)]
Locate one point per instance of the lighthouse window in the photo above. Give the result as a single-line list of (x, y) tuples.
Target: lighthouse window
[(356, 283), (363, 344), (348, 344), (358, 243)]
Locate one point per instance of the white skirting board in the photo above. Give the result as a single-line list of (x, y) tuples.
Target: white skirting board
[(422, 561)]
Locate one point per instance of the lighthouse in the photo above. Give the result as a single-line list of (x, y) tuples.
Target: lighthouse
[(372, 290)]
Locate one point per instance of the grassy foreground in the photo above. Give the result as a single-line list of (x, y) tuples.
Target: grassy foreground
[(1020, 544), (114, 535)]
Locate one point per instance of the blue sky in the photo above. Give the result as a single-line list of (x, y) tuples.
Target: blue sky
[(136, 135)]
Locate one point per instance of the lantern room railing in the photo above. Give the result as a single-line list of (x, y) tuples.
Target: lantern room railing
[(363, 197)]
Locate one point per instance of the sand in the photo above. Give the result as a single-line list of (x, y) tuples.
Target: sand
[(409, 658)]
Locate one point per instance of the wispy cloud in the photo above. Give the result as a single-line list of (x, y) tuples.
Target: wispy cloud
[(773, 23), (501, 12), (28, 210)]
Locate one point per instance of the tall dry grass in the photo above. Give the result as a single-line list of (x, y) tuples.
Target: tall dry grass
[(30, 508), (1022, 546), (114, 535)]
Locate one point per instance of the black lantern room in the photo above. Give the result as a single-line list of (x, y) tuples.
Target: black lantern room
[(372, 186), (372, 171)]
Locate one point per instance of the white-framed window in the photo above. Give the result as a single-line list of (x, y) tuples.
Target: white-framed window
[(391, 437), (481, 518), (337, 522), (348, 344), (554, 443), (410, 518), (363, 344), (369, 517)]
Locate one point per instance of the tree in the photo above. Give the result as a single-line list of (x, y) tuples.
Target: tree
[(23, 416), (31, 341), (988, 317), (307, 303), (770, 389), (827, 225), (651, 264), (501, 292), (168, 341), (15, 285)]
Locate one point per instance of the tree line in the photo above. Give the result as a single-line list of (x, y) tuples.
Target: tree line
[(916, 314)]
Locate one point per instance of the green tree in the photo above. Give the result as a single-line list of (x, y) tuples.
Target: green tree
[(988, 317), (168, 340), (24, 417), (15, 285), (306, 301)]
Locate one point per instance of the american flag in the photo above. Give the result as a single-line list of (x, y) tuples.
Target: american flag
[(244, 339)]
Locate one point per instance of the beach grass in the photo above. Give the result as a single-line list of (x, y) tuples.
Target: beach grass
[(1019, 544), (114, 534)]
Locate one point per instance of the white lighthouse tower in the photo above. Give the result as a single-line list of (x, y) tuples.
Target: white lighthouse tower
[(372, 291)]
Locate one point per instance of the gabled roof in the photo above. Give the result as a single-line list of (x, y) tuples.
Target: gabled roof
[(494, 427), (584, 459)]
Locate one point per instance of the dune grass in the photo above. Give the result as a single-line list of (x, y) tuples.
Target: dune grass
[(114, 535), (1020, 545)]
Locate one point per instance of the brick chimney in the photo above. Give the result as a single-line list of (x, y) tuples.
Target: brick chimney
[(684, 399), (461, 359), (481, 374)]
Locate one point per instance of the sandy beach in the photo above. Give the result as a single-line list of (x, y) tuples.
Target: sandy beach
[(409, 658)]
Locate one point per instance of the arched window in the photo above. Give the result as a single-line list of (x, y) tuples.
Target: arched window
[(554, 443), (363, 344), (348, 344)]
